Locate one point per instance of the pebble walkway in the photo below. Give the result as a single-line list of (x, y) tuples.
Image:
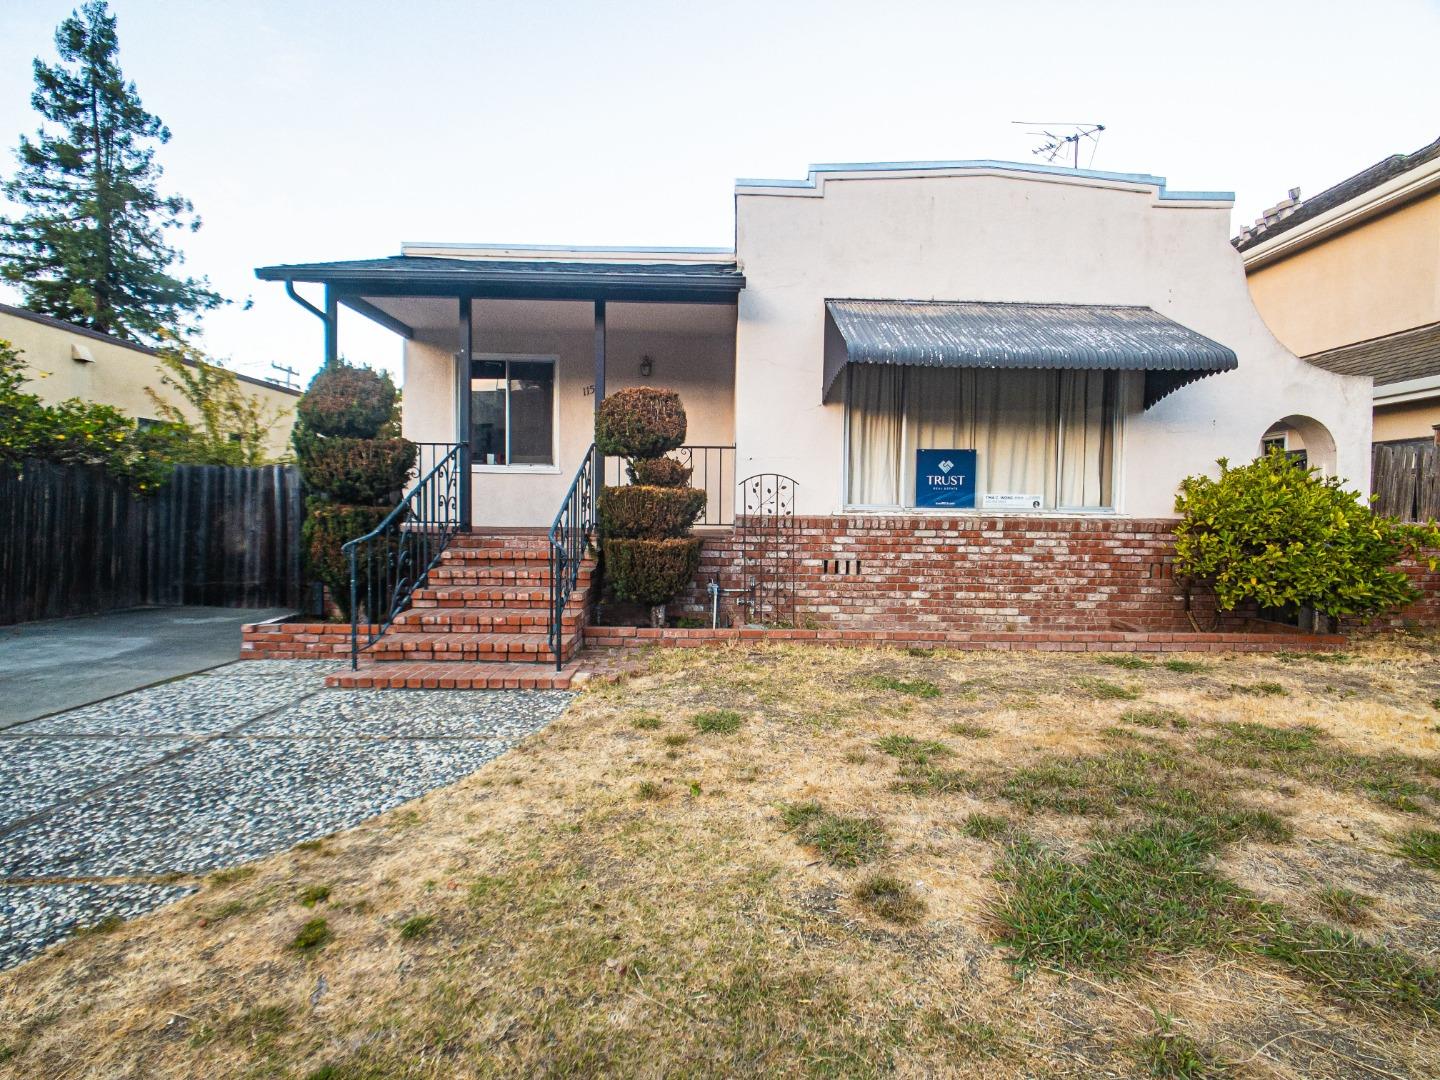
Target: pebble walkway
[(116, 808)]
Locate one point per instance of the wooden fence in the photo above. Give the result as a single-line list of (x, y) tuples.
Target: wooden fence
[(1405, 477), (74, 540)]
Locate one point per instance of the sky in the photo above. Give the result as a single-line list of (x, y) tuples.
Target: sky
[(307, 131)]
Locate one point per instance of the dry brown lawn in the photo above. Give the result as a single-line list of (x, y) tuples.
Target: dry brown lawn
[(788, 860)]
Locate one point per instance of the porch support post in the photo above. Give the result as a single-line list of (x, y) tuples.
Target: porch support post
[(462, 407), (332, 327), (599, 384)]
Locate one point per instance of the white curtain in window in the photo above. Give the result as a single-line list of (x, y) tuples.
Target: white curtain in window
[(1044, 433), (874, 406)]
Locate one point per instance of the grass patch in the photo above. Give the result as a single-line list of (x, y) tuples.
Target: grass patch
[(108, 925), (1107, 691), (645, 722), (416, 926), (917, 687), (1125, 660), (1315, 657), (312, 937), (1259, 689), (1344, 905), (889, 898), (1173, 1055), (911, 750), (1354, 969), (980, 826), (312, 895), (1155, 718), (649, 790), (717, 722), (843, 840), (970, 731), (1184, 667), (1304, 752), (231, 874), (1419, 846), (675, 739), (932, 780)]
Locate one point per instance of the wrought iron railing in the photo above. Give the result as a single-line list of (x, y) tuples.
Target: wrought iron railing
[(395, 558), (570, 539), (710, 466)]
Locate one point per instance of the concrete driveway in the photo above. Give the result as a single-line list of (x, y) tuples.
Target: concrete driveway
[(117, 807), (63, 663)]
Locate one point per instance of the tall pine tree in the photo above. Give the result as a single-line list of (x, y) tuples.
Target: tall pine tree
[(90, 246)]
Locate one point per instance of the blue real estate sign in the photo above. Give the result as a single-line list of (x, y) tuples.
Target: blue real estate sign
[(945, 478)]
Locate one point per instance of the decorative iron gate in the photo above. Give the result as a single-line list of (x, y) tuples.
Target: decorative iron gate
[(765, 533)]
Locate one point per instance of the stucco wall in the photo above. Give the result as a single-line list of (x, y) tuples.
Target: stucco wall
[(1018, 237), (1412, 420), (699, 366), (118, 376), (1376, 279)]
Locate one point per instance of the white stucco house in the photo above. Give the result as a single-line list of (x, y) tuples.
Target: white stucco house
[(991, 349)]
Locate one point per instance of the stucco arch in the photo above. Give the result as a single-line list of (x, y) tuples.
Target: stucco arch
[(1313, 437)]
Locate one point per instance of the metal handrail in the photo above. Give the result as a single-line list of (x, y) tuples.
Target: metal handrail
[(707, 463), (400, 552), (569, 539)]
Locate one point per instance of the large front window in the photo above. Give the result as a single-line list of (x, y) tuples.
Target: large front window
[(1040, 437), (512, 411)]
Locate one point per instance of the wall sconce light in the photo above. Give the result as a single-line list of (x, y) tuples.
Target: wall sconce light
[(646, 367)]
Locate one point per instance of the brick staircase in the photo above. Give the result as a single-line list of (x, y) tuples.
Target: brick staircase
[(479, 623)]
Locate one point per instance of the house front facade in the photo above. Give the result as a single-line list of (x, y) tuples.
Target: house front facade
[(975, 385)]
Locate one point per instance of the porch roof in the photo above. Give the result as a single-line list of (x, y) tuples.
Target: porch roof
[(533, 279), (989, 334)]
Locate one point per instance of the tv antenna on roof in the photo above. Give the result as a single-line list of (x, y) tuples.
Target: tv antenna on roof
[(1056, 144)]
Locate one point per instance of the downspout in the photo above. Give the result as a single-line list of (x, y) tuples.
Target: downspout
[(326, 317)]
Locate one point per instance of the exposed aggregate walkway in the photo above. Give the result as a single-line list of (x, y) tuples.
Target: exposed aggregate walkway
[(118, 807)]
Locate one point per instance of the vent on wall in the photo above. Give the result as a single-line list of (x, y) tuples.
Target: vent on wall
[(844, 567)]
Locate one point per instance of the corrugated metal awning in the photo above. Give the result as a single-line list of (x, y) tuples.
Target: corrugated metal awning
[(1097, 337)]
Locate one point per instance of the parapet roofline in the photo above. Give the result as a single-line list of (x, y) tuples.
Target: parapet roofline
[(814, 182)]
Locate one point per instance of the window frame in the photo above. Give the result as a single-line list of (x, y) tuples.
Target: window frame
[(1120, 407), (524, 358)]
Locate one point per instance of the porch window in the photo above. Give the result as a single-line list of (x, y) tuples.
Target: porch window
[(512, 411), (1046, 434)]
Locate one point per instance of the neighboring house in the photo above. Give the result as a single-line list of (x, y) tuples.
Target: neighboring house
[(1350, 281), (67, 361), (1070, 343)]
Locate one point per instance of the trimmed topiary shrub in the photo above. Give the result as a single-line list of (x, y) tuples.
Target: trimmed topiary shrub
[(1279, 534), (368, 472), (353, 477), (660, 472), (328, 527), (650, 572), (648, 552), (344, 400), (640, 422), (638, 511)]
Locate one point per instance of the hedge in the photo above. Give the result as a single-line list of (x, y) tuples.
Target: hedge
[(637, 511), (347, 401), (640, 422), (371, 472), (660, 472), (328, 527), (650, 572)]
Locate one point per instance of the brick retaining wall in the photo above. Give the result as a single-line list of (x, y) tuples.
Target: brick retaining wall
[(972, 574), (296, 641)]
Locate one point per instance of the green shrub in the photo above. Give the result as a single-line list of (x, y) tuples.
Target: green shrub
[(344, 400), (660, 472), (366, 472), (637, 512), (1280, 535), (640, 422), (327, 528), (650, 571)]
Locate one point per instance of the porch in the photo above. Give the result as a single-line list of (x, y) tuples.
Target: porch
[(508, 353)]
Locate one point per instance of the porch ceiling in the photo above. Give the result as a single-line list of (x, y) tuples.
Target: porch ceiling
[(428, 315)]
